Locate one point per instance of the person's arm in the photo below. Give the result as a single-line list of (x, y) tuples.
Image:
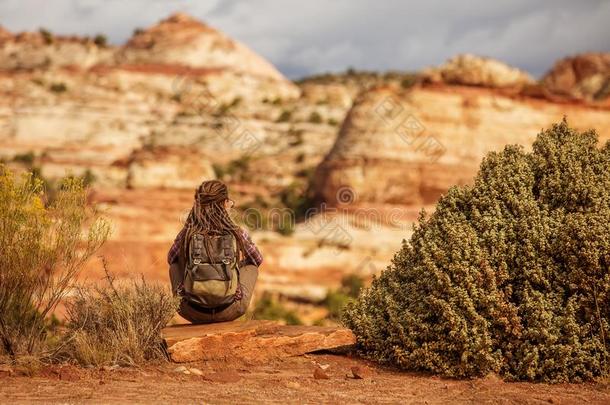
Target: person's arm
[(174, 251), (253, 255)]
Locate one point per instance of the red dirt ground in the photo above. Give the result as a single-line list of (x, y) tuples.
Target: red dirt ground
[(289, 380)]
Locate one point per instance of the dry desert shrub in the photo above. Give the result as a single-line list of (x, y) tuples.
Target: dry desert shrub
[(118, 323), (510, 275), (43, 246)]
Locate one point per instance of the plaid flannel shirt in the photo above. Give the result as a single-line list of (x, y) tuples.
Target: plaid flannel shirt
[(253, 255)]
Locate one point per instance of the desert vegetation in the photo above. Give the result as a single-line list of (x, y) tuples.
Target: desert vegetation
[(337, 299), (47, 236), (118, 323), (269, 307), (509, 275), (58, 88), (42, 253), (100, 40), (363, 78), (272, 307)]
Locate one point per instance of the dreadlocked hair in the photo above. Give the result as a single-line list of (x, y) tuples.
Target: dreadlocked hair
[(210, 218)]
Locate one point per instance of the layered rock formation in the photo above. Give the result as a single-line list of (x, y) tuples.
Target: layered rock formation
[(584, 76), (472, 70), (409, 147), (166, 168), (250, 342)]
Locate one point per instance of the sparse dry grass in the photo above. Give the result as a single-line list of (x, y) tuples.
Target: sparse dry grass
[(118, 323)]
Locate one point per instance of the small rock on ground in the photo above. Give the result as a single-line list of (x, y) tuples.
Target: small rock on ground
[(196, 371), (359, 373), (320, 374), (322, 366), (293, 385)]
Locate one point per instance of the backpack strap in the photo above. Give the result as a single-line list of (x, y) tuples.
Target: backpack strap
[(235, 262), (228, 250), (197, 249)]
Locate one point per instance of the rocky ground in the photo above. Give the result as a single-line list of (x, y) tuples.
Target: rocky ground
[(287, 380), (265, 362)]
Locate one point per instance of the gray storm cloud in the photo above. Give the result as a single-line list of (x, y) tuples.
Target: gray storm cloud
[(303, 38)]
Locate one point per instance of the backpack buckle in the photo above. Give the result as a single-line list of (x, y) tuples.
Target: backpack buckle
[(196, 261)]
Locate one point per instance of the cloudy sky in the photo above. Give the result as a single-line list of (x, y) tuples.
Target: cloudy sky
[(315, 36)]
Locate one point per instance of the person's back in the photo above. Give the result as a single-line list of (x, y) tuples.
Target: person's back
[(213, 262)]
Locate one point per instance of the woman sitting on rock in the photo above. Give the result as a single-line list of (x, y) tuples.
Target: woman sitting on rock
[(213, 262)]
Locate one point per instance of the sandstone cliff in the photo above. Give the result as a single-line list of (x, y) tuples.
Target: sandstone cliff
[(408, 147), (167, 168)]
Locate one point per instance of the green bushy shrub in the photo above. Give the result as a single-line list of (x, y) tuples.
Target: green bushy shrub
[(337, 300), (510, 275), (268, 307), (47, 36), (26, 159), (285, 116), (58, 88), (296, 198), (315, 118), (100, 40)]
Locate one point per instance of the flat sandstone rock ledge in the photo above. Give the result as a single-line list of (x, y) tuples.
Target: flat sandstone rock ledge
[(251, 341)]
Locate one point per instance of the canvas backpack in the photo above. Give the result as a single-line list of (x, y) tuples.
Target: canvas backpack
[(211, 275)]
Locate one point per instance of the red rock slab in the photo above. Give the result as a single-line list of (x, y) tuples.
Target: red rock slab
[(251, 341)]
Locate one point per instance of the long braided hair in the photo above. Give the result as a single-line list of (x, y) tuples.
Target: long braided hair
[(209, 217)]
